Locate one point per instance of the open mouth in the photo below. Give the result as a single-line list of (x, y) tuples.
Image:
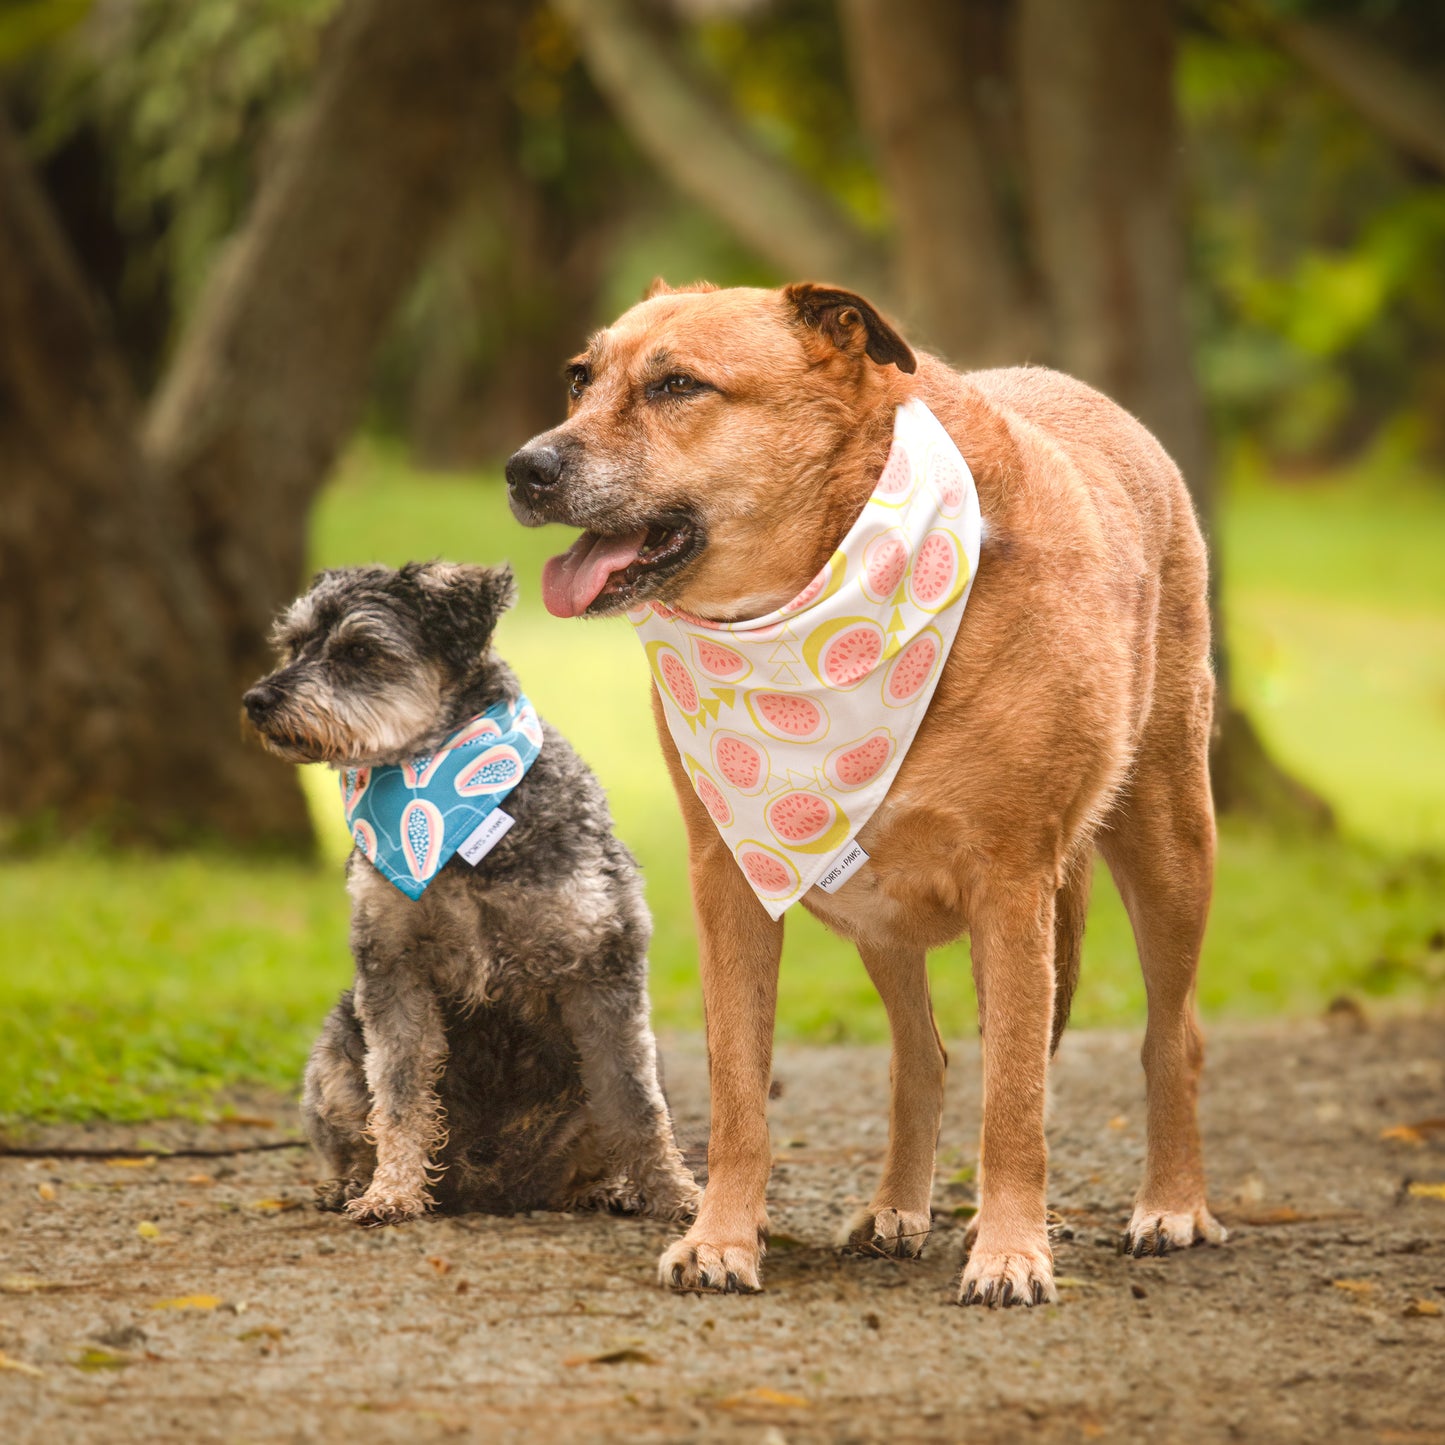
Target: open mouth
[(604, 573)]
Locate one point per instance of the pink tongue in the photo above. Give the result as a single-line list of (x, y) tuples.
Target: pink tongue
[(572, 581)]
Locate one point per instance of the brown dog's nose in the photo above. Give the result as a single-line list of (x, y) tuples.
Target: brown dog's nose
[(534, 469), (260, 701)]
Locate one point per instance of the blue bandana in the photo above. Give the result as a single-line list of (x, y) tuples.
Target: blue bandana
[(410, 819)]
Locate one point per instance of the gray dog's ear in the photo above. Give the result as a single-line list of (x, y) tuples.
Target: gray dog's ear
[(463, 601), (845, 318)]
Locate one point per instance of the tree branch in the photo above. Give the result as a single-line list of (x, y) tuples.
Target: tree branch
[(701, 146), (1398, 99)]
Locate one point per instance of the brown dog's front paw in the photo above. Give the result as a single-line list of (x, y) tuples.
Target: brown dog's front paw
[(999, 1279), (1156, 1231), (388, 1206), (694, 1264), (896, 1233)]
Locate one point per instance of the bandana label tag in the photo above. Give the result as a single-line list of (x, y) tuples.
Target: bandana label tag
[(840, 872), (486, 835)]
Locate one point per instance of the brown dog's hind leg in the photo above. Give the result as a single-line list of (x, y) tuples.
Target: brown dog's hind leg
[(898, 1220), (739, 950), (1159, 846), (1010, 1262)]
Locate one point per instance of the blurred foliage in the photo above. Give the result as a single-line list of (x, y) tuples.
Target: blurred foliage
[(1319, 249), (184, 98)]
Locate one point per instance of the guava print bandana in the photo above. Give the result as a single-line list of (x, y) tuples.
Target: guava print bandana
[(793, 726), (409, 819)]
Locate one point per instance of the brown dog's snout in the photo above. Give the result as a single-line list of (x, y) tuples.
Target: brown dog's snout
[(534, 470)]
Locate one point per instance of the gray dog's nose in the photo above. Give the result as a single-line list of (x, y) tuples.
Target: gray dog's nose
[(260, 700), (534, 469)]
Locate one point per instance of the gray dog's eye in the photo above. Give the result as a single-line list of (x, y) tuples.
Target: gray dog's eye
[(357, 652)]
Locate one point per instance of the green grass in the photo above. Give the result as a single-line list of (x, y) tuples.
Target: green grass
[(135, 986)]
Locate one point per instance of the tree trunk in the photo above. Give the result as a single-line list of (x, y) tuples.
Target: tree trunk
[(116, 710), (929, 77), (140, 576), (699, 143), (1102, 136), (272, 374)]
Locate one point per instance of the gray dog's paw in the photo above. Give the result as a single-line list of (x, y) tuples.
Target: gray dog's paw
[(333, 1195)]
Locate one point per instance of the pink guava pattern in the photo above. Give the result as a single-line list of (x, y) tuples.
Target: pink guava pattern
[(794, 725)]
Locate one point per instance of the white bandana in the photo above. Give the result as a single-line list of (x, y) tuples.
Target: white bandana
[(793, 728)]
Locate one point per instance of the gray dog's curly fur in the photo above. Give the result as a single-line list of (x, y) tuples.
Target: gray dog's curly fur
[(495, 1051)]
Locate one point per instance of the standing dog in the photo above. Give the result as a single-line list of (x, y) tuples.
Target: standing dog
[(497, 1034), (719, 446)]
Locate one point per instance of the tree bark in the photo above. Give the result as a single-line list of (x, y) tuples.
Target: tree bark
[(143, 562), (924, 75), (698, 142), (116, 711), (1102, 137)]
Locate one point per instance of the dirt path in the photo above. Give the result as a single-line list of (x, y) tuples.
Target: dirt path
[(1318, 1321)]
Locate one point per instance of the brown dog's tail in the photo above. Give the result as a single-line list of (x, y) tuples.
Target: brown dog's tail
[(1071, 908)]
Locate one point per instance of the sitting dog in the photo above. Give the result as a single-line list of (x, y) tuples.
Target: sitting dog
[(495, 1051), (733, 456)]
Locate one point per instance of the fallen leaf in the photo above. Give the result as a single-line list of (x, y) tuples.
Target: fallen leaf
[(763, 1395), (199, 1179), (99, 1359), (627, 1355), (1354, 1286), (146, 1163), (1403, 1134), (46, 1192), (1422, 1308), (188, 1302), (148, 1229), (438, 1264), (29, 1284), (1065, 1281), (1118, 1122), (262, 1332), (277, 1206), (1427, 1191), (21, 1368), (1288, 1214)]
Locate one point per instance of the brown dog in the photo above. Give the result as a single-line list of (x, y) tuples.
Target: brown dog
[(718, 448)]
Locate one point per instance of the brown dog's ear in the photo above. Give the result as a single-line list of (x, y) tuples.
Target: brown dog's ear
[(842, 316)]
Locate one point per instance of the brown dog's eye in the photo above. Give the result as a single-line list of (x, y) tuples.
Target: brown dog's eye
[(577, 379), (680, 385)]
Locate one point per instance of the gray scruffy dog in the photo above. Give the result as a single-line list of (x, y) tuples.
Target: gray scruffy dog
[(495, 1051)]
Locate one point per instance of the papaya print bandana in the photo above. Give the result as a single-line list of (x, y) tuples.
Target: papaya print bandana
[(409, 818), (793, 726)]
